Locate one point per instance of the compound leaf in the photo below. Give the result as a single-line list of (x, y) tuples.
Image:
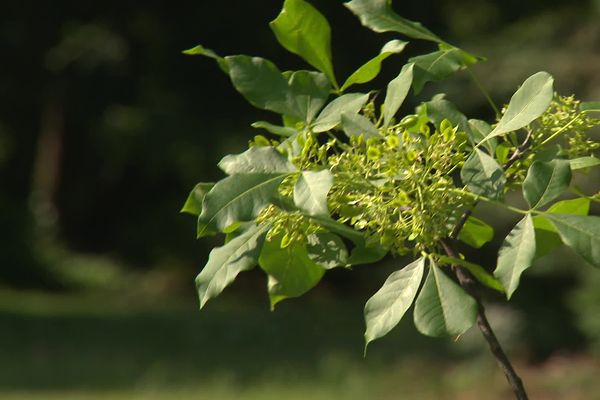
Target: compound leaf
[(483, 175), (545, 181)]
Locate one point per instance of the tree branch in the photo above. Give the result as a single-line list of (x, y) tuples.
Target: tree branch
[(467, 283)]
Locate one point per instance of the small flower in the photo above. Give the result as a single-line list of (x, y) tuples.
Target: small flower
[(373, 153)]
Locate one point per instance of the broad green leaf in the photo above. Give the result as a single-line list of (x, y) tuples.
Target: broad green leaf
[(327, 250), (368, 71), (299, 95), (443, 308), (396, 92), (590, 106), (584, 162), (193, 204), (388, 305), (356, 124), (291, 271), (527, 104), (256, 160), (226, 262), (304, 31), (309, 93), (203, 51), (546, 236), (476, 270), (479, 131), (331, 116), (439, 65), (310, 192), (581, 233), (483, 175), (516, 255), (275, 129), (476, 233), (378, 16), (237, 198), (545, 181)]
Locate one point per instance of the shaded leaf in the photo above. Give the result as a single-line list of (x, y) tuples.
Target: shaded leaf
[(396, 92), (443, 308), (331, 116), (310, 192), (516, 255), (439, 65), (476, 232), (478, 272), (309, 91), (584, 162), (203, 51), (581, 233), (545, 181), (226, 262), (256, 160), (483, 175), (275, 129), (327, 250), (480, 130), (388, 305), (527, 104), (304, 31), (291, 271), (237, 198), (368, 71), (379, 16), (356, 124)]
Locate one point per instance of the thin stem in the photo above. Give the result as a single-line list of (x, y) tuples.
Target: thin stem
[(467, 283), (483, 91)]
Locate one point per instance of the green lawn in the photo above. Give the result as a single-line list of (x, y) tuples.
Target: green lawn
[(110, 347)]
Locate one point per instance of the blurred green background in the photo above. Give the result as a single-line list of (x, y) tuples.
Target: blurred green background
[(104, 129)]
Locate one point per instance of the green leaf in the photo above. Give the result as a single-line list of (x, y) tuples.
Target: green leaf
[(275, 129), (483, 175), (331, 116), (396, 92), (439, 65), (581, 233), (203, 51), (476, 233), (388, 305), (327, 250), (443, 308), (584, 162), (368, 71), (527, 104), (545, 181), (304, 31), (516, 255), (291, 271), (479, 131), (378, 16), (256, 160), (546, 236), (356, 124), (309, 93), (590, 106), (193, 204), (310, 192), (476, 270), (300, 94), (226, 262), (237, 198)]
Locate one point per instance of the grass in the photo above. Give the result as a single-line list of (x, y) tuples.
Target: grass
[(97, 346)]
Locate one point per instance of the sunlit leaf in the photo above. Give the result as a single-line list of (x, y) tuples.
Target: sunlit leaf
[(331, 116), (527, 104), (226, 262), (379, 16), (581, 233), (442, 307), (388, 305), (368, 71), (304, 31), (584, 162), (478, 272), (193, 204), (256, 160), (439, 65), (356, 124), (475, 232), (396, 92), (275, 129), (310, 192), (516, 255), (327, 249)]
